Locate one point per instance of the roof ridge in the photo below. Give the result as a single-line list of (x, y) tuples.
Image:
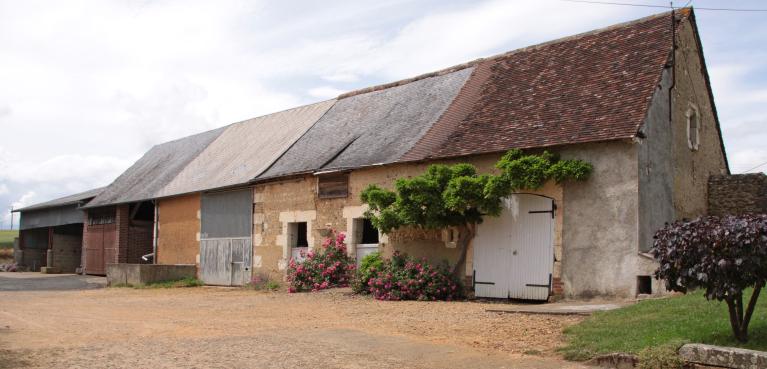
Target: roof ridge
[(683, 11), (278, 112), (71, 199)]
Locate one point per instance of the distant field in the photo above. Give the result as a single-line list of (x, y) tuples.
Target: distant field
[(6, 238)]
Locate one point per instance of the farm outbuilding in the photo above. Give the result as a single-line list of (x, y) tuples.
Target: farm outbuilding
[(121, 219), (219, 177), (621, 98), (51, 233), (633, 100), (201, 201)]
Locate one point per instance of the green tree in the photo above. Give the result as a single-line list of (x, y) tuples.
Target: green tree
[(458, 196)]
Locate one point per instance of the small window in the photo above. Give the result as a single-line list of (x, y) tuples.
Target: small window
[(298, 240), (644, 285), (333, 186), (369, 232), (693, 127)]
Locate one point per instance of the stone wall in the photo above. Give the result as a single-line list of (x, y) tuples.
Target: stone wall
[(737, 194), (295, 200), (692, 168)]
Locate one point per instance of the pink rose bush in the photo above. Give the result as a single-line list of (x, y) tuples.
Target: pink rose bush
[(329, 267), (406, 278)]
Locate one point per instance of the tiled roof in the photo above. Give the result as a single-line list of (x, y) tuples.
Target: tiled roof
[(591, 87)]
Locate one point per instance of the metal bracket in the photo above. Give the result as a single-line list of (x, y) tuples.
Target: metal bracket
[(547, 286), (474, 282), (552, 211)]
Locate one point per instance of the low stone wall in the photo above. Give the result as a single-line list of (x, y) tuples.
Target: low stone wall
[(708, 356), (737, 194), (138, 274)]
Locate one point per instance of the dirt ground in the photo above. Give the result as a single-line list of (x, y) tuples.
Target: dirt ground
[(219, 327)]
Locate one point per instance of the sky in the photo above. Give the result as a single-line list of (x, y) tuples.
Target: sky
[(88, 86)]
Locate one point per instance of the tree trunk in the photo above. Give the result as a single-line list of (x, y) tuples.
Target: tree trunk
[(734, 319), (740, 319), (465, 234)]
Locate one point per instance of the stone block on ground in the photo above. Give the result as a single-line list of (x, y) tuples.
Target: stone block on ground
[(725, 357)]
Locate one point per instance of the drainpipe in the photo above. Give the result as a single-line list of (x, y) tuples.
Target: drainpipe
[(155, 232), (673, 67)]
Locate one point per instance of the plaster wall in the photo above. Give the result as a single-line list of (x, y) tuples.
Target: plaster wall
[(692, 168), (178, 222), (601, 222), (656, 172)]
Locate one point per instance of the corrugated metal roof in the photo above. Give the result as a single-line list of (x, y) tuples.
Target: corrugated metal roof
[(62, 201), (144, 179), (372, 127), (245, 149)]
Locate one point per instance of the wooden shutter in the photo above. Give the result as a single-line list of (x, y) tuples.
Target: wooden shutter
[(333, 186)]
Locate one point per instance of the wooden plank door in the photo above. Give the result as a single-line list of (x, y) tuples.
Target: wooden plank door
[(215, 261), (94, 250), (226, 261), (492, 255), (514, 252), (241, 261), (532, 248)]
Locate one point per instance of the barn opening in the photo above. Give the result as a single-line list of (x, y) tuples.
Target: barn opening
[(118, 234), (298, 240), (364, 238), (51, 234), (226, 222)]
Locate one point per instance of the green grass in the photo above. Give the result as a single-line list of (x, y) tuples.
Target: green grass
[(651, 323), (182, 283), (6, 238)]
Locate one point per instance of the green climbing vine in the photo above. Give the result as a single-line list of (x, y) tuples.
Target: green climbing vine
[(458, 196)]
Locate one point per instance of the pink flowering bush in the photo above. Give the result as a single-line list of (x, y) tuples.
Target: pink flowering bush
[(406, 278), (327, 268)]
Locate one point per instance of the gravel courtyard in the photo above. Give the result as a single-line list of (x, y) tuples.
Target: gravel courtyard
[(218, 327)]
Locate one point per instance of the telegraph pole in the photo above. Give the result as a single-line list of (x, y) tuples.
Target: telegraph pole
[(11, 217)]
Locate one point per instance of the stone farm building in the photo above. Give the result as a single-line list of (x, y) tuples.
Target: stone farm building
[(51, 233), (633, 99)]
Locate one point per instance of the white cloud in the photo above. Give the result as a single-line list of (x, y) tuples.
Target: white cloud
[(3, 189), (26, 199), (342, 77), (741, 111), (325, 92), (92, 85)]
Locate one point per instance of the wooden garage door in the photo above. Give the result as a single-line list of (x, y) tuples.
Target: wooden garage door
[(100, 248), (514, 252)]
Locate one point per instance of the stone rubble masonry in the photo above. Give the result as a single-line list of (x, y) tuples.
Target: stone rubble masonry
[(723, 357), (737, 194), (295, 199)]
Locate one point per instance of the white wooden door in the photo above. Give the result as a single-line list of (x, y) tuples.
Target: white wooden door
[(514, 252), (225, 261)]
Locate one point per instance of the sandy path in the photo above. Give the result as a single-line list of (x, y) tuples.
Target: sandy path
[(216, 327)]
